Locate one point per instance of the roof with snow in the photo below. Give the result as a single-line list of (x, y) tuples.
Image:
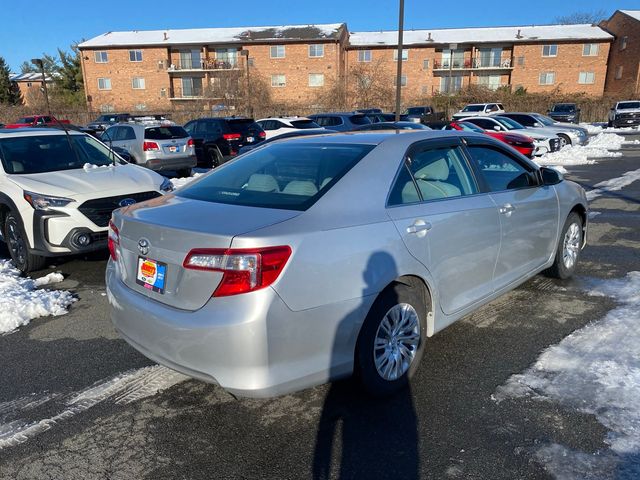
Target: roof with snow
[(201, 36), (632, 13), (522, 34), (28, 77)]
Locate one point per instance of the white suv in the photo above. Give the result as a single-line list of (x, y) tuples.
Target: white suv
[(479, 109), (58, 190), (275, 126)]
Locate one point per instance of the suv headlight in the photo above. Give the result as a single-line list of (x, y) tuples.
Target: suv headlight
[(46, 202), (166, 186)]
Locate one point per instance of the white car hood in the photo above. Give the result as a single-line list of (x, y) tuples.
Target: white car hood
[(119, 180)]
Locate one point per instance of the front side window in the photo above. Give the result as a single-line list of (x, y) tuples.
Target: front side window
[(316, 79), (586, 78), (101, 57), (137, 83), (405, 55), (432, 174), (590, 50), (135, 55), (278, 80), (316, 51), (501, 171), (277, 51), (550, 50), (104, 84), (279, 175), (364, 55), (547, 78)]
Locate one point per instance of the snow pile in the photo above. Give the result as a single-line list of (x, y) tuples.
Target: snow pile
[(90, 166), (592, 129), (613, 184), (602, 145), (595, 370), (181, 182), (21, 300)]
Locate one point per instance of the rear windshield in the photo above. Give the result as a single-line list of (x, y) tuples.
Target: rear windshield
[(165, 133), (279, 175), (627, 105), (242, 125), (26, 120), (360, 120), (51, 153), (305, 124), (473, 108), (415, 110), (564, 108)]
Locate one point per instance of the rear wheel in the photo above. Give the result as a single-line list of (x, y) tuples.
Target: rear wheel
[(18, 246), (568, 250), (215, 157), (184, 172), (391, 342)]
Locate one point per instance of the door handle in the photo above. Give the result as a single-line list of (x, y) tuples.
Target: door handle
[(507, 209), (419, 227)]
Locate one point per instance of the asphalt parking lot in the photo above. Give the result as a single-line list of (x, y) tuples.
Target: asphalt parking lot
[(61, 386)]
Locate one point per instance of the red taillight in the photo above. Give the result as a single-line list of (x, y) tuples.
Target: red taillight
[(231, 136), (113, 240), (244, 270), (190, 142), (262, 135), (150, 146)]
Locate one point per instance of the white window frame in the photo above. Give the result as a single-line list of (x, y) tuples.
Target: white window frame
[(315, 47), (105, 80), (138, 79), (623, 42), (278, 84), (403, 80), (100, 53), (316, 75), (583, 78), (619, 71), (405, 54), (135, 51), (591, 49), (277, 51), (549, 54), (363, 54), (546, 77), (425, 64)]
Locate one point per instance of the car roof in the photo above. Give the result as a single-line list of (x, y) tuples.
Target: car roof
[(33, 132), (339, 114), (376, 137)]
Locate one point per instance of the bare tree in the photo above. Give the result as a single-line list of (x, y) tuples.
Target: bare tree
[(371, 84), (593, 18)]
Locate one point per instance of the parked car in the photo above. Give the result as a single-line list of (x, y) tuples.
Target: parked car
[(333, 255), (369, 110), (385, 117), (393, 126), (624, 114), (478, 109), (275, 126), (159, 147), (58, 190), (565, 112), (522, 143), (569, 134), (217, 140), (106, 120), (36, 121), (291, 134), (424, 114), (341, 122), (544, 140)]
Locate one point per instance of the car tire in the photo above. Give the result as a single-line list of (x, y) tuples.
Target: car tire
[(384, 363), (566, 138), (184, 172), (568, 249), (609, 124), (215, 157), (18, 246)]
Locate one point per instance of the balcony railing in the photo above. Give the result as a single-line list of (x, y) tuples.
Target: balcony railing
[(472, 64), (192, 93), (204, 64)]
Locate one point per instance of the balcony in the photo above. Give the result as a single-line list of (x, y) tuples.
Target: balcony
[(193, 93), (473, 64), (204, 64)]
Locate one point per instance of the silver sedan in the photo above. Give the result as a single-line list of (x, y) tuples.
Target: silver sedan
[(316, 258)]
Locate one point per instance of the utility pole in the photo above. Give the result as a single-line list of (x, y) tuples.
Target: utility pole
[(39, 63), (245, 53), (399, 72)]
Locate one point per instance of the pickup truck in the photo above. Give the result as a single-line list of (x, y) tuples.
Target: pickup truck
[(479, 110), (425, 115), (625, 114), (36, 121)]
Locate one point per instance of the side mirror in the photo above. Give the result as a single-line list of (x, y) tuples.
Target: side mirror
[(536, 124), (496, 128), (550, 176)]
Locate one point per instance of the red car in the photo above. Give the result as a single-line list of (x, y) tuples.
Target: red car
[(37, 121), (521, 143)]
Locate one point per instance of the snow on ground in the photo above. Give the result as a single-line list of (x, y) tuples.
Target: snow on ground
[(595, 370), (594, 129), (602, 145), (21, 300), (613, 184)]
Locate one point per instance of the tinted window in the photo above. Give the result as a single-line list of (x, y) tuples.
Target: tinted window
[(243, 125), (509, 123), (328, 121), (359, 120), (304, 124), (525, 120), (627, 105), (26, 120), (279, 175), (415, 110), (564, 108), (501, 171), (165, 133), (483, 122), (126, 133), (473, 108)]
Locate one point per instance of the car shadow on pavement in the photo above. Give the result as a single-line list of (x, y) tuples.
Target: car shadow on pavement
[(359, 436)]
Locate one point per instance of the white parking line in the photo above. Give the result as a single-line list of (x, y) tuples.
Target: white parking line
[(613, 184)]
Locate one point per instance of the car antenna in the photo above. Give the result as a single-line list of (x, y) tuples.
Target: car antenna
[(66, 132)]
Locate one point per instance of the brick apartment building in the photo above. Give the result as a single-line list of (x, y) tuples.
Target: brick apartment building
[(30, 85), (623, 76), (200, 68)]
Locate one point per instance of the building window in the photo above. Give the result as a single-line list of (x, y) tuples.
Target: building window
[(403, 81), (455, 58), (316, 51), (137, 83), (226, 58), (587, 78), (450, 84), (107, 108), (277, 51), (550, 50), (364, 55), (488, 57), (547, 78), (278, 80), (618, 72), (405, 55), (135, 55), (316, 79), (104, 84), (492, 82), (521, 61), (29, 84), (163, 92), (191, 87), (590, 50), (101, 56), (141, 107), (623, 42), (250, 62), (425, 64)]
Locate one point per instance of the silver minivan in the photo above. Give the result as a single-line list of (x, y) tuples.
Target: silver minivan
[(157, 146)]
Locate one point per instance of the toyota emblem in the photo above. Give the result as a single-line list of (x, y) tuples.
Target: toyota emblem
[(143, 246)]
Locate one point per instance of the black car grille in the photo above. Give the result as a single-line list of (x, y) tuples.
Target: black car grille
[(629, 115), (555, 144), (99, 210)]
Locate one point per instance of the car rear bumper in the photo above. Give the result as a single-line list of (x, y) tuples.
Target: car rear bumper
[(171, 163), (252, 345)]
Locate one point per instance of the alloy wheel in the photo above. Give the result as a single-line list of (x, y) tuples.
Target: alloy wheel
[(571, 245), (396, 341)]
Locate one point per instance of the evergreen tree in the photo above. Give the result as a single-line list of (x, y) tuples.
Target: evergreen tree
[(9, 93)]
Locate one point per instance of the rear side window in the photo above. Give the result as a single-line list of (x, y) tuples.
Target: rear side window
[(501, 171), (525, 120), (165, 133), (328, 121), (304, 124), (279, 175), (360, 120)]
